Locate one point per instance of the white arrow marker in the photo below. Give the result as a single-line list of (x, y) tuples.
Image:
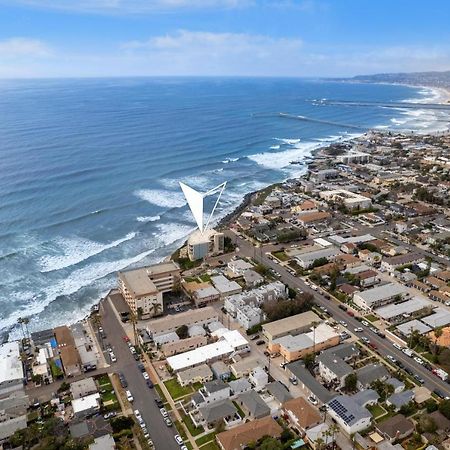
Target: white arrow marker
[(195, 201)]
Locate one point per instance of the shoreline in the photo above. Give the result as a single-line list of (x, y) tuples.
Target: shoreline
[(247, 198)]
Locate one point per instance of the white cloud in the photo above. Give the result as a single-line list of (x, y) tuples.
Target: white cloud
[(19, 47), (131, 6), (207, 53)]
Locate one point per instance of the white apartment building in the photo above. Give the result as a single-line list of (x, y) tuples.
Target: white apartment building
[(209, 243)]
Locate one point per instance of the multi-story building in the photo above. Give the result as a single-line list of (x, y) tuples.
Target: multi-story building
[(380, 296), (349, 199), (209, 243), (143, 288)]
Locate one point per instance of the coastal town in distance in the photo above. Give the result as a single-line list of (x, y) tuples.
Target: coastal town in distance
[(315, 316)]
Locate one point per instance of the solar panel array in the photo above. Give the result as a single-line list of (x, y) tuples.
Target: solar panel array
[(341, 411)]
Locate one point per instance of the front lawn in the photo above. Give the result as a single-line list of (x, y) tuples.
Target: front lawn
[(206, 438), (281, 256), (371, 318), (191, 427), (376, 410), (210, 446), (176, 390)]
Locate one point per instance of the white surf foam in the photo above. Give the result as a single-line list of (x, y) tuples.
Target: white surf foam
[(274, 147), (288, 141), (75, 251), (280, 160), (161, 198), (229, 160), (148, 218)]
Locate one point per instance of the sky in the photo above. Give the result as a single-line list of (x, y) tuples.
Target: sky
[(293, 38)]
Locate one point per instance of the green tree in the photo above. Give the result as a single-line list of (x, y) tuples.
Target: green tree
[(182, 332), (309, 360), (156, 308), (270, 443), (350, 382), (444, 408)]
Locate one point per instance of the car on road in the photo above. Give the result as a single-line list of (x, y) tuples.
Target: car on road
[(137, 414), (409, 371), (283, 365), (110, 415), (145, 375), (313, 400), (418, 360), (149, 384), (293, 380), (373, 345), (141, 367), (126, 338), (254, 337), (344, 324), (365, 323), (159, 402), (146, 435), (113, 357), (359, 330), (179, 439), (419, 379), (440, 394), (183, 447), (260, 342), (123, 380), (391, 358), (164, 412), (365, 339), (130, 397), (397, 346), (400, 364), (168, 422)]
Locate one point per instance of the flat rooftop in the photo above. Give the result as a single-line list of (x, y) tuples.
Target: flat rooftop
[(439, 318), (284, 326), (10, 364), (381, 292), (413, 325), (415, 304), (137, 282)]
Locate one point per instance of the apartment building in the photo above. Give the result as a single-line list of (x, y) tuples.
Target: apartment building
[(209, 243), (143, 288)]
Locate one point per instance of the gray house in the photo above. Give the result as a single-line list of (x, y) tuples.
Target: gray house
[(253, 405), (368, 374)]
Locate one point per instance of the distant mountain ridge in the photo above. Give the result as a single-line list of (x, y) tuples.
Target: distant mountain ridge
[(434, 79)]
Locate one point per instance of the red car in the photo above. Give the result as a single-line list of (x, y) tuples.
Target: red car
[(126, 338)]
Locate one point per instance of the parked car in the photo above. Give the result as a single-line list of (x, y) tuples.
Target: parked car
[(123, 381), (397, 346), (149, 384), (358, 330), (260, 342), (254, 337), (164, 412), (130, 397), (168, 422), (159, 402), (179, 439), (313, 400), (145, 375), (113, 357), (141, 367)]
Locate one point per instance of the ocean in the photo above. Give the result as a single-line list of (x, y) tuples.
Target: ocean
[(90, 170)]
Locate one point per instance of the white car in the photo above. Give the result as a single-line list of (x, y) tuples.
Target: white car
[(418, 360), (145, 375), (344, 324), (179, 439), (358, 330), (137, 414), (365, 323), (365, 339), (130, 397), (113, 357), (312, 400), (391, 358), (164, 412), (397, 346)]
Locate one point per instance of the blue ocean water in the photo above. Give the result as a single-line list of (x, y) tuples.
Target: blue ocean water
[(90, 170)]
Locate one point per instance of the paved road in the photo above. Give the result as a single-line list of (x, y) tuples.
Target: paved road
[(144, 398), (384, 346)]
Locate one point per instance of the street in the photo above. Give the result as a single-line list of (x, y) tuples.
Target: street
[(384, 346), (144, 397)]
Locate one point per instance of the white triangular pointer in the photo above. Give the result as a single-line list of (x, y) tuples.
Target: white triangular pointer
[(195, 202)]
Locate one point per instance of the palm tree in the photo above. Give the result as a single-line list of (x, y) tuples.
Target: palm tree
[(133, 320), (437, 334), (20, 322), (156, 308), (333, 430)]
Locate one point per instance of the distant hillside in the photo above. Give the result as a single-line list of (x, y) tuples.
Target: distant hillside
[(435, 79)]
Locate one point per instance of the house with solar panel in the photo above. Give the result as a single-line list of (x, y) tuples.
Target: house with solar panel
[(349, 413)]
